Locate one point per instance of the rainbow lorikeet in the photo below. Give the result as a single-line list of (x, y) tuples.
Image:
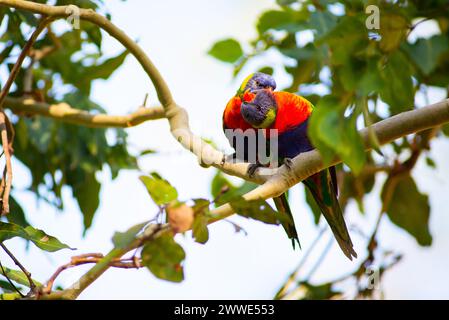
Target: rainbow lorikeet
[(232, 119), (288, 114)]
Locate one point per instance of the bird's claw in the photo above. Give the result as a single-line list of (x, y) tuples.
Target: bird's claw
[(288, 163), (223, 160), (252, 168)]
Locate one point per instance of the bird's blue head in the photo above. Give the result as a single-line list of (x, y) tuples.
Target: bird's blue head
[(261, 111), (257, 81)]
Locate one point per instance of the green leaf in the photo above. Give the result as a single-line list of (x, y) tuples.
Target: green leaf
[(16, 214), (163, 257), (27, 17), (124, 239), (18, 276), (147, 152), (393, 29), (9, 230), (319, 292), (87, 194), (40, 133), (94, 34), (10, 296), (274, 19), (44, 241), (408, 208), (285, 2), (99, 71), (425, 53), (256, 209), (6, 52), (37, 236), (107, 68), (332, 133), (228, 50), (220, 183), (160, 190), (430, 162), (322, 22), (267, 70), (445, 129), (313, 206), (200, 232), (5, 285), (397, 78)]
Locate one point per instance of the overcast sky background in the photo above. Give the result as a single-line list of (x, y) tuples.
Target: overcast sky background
[(176, 35)]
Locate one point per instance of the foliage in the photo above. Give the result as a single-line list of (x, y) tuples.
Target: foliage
[(65, 64), (58, 154)]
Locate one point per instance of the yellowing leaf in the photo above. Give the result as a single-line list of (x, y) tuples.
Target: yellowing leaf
[(164, 257)]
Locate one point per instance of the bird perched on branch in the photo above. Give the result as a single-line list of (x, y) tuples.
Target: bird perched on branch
[(257, 106)]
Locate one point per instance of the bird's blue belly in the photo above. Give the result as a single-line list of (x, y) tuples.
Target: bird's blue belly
[(294, 141)]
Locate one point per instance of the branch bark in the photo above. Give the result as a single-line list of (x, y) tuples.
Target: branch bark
[(66, 113)]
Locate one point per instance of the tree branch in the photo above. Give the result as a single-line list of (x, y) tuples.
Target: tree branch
[(64, 112), (5, 125), (131, 263), (17, 263), (151, 232)]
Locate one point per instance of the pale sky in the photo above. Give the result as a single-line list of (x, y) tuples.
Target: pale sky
[(176, 35)]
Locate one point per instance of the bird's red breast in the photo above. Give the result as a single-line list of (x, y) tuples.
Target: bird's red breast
[(232, 118)]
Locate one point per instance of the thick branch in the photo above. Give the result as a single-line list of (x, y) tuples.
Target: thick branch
[(64, 112)]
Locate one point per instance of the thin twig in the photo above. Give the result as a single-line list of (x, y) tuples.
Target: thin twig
[(24, 270), (237, 228), (294, 275), (320, 259), (5, 124), (7, 181), (88, 258), (102, 264), (26, 49), (10, 282)]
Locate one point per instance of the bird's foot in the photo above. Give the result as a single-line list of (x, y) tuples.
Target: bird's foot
[(252, 168), (228, 158), (288, 163), (223, 160)]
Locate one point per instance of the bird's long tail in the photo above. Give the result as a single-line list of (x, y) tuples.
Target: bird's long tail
[(283, 208), (323, 190)]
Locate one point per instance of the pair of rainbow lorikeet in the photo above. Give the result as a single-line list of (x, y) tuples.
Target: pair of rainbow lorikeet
[(257, 106)]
